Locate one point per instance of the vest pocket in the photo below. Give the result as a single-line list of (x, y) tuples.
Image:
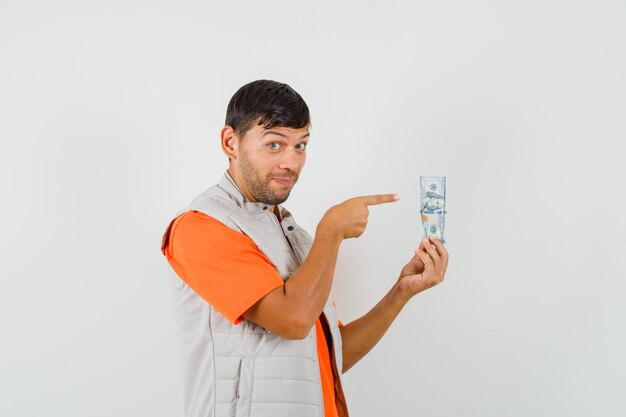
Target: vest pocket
[(244, 388)]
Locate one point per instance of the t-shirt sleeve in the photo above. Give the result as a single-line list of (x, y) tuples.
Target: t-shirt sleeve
[(223, 266)]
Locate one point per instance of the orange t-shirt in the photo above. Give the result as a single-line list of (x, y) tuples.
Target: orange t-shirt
[(228, 271)]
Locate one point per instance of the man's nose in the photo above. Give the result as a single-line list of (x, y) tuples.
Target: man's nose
[(292, 160)]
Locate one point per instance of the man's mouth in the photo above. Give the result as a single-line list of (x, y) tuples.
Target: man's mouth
[(284, 181)]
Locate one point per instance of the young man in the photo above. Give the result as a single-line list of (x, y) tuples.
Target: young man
[(257, 332)]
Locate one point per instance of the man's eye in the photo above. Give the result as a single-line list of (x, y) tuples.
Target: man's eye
[(274, 146), (301, 146)]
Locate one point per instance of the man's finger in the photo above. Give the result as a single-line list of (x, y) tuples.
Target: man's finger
[(432, 251), (441, 250), (429, 267), (372, 200)]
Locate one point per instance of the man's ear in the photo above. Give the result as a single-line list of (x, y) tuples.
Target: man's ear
[(230, 142)]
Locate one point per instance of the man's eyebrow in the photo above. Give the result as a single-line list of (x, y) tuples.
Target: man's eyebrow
[(273, 132)]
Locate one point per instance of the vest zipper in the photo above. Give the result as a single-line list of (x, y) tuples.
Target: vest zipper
[(340, 399)]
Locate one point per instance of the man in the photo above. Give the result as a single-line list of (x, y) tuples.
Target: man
[(257, 332)]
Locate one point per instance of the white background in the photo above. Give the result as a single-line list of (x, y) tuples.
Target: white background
[(110, 116)]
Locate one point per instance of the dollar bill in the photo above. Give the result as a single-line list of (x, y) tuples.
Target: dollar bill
[(433, 206)]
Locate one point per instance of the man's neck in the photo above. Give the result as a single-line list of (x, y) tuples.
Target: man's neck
[(276, 211)]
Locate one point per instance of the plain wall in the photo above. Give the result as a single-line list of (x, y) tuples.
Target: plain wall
[(111, 113)]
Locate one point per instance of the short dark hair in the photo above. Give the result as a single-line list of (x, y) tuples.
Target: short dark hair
[(271, 103)]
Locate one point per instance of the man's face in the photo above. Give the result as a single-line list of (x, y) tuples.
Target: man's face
[(269, 161)]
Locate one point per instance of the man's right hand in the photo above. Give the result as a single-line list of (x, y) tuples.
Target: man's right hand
[(349, 219), (291, 310)]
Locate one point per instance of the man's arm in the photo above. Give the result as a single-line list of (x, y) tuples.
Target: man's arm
[(426, 269), (290, 311)]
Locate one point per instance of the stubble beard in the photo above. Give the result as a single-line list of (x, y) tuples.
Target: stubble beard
[(260, 187)]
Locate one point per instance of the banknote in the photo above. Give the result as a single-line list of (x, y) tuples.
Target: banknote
[(433, 206)]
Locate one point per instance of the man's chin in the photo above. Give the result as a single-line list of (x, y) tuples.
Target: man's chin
[(278, 197), (279, 190)]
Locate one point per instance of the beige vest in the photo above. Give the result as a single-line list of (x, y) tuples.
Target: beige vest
[(245, 370)]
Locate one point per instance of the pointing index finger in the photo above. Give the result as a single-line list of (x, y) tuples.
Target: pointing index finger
[(372, 200)]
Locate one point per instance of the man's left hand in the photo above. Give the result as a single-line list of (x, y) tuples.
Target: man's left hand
[(426, 269)]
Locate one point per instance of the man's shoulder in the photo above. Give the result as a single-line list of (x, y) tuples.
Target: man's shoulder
[(196, 222), (214, 202), (194, 229)]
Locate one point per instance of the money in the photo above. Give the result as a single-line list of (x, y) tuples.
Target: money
[(433, 206)]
